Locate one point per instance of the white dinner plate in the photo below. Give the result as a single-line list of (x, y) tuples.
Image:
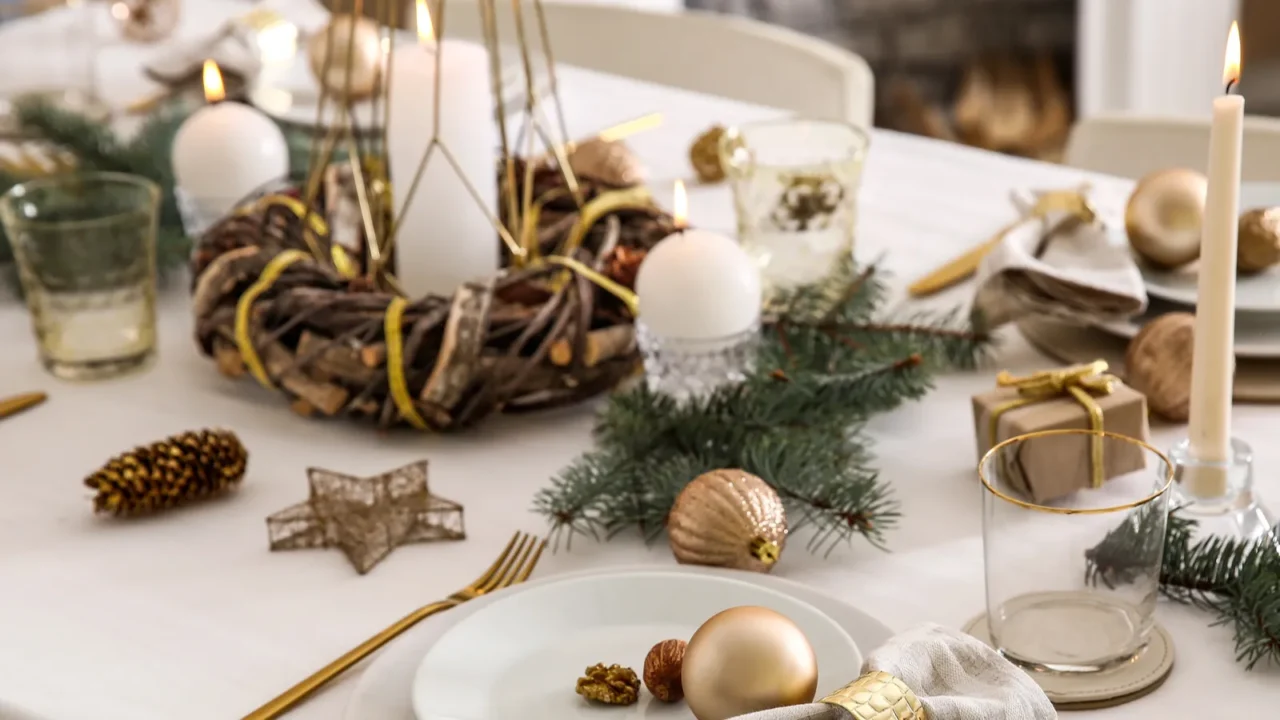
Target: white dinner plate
[(1254, 293), (519, 657), (1257, 334), (383, 691)]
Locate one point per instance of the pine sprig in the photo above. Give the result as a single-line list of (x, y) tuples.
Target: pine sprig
[(1237, 581), (826, 365)]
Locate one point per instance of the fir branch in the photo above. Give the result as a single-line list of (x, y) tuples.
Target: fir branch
[(794, 421), (1237, 581)]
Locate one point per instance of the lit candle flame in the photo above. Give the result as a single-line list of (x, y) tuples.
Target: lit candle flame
[(426, 29), (680, 205), (214, 90), (1231, 68)]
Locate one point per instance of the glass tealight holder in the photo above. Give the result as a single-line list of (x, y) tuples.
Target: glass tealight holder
[(795, 192), (1072, 582), (1220, 495), (85, 250), (686, 368)]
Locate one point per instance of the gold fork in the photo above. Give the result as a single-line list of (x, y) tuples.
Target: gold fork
[(512, 567)]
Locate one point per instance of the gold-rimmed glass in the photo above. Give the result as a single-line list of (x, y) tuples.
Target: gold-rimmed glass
[(85, 246), (795, 192), (1072, 582)]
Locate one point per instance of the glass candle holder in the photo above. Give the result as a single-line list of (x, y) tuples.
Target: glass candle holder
[(85, 250), (1072, 583), (685, 368), (795, 189)]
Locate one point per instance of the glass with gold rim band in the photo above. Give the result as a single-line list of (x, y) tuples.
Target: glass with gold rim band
[(1072, 570)]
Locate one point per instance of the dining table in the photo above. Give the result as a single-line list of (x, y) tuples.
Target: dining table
[(187, 615)]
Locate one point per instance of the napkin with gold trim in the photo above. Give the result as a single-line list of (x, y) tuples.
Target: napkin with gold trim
[(929, 673), (1061, 264)]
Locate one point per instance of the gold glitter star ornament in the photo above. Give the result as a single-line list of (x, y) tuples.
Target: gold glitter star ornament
[(366, 517)]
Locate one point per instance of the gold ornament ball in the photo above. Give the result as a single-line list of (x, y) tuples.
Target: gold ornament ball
[(1158, 364), (1259, 246), (332, 49), (747, 659), (1164, 215), (728, 518)]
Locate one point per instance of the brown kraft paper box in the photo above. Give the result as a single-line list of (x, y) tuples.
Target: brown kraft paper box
[(1055, 467)]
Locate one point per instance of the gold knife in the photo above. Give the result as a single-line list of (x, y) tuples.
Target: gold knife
[(18, 403), (961, 267)]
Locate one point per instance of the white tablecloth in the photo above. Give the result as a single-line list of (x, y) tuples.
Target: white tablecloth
[(187, 615)]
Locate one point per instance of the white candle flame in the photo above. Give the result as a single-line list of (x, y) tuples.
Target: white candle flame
[(214, 90)]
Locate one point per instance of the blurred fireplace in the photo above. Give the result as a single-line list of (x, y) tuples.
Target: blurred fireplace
[(996, 74)]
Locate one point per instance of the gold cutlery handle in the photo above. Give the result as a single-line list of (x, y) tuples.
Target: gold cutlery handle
[(296, 694), (18, 403), (956, 270)]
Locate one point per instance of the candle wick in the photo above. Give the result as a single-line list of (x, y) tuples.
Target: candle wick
[(1231, 85)]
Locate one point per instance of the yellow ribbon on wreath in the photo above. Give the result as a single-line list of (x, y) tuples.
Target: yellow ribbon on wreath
[(1080, 382)]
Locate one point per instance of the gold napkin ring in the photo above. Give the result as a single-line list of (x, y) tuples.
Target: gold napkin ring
[(878, 696)]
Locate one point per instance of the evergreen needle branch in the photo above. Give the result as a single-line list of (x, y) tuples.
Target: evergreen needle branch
[(823, 368)]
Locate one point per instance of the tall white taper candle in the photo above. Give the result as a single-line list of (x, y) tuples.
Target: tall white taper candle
[(1214, 356)]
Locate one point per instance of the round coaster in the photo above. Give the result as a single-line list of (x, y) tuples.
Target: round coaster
[(1093, 691)]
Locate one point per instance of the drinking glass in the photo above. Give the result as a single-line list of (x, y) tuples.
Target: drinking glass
[(85, 249), (1072, 582), (795, 188)]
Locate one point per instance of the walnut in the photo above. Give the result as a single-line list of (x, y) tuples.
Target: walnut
[(1158, 364), (662, 670), (1259, 246), (704, 155), (613, 685)]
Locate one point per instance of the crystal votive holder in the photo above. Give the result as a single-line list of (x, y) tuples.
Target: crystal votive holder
[(86, 254), (686, 368), (1219, 495)]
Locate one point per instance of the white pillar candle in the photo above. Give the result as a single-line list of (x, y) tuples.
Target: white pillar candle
[(444, 238), (225, 151), (697, 285), (1213, 361)]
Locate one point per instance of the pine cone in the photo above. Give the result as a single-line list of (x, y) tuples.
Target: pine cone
[(624, 264), (174, 471)]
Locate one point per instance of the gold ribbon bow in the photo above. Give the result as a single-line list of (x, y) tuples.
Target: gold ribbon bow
[(878, 696), (1081, 382)]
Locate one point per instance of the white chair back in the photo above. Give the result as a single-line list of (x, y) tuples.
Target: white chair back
[(720, 55), (1133, 146)]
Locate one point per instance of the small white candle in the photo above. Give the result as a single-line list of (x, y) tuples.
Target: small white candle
[(444, 238), (225, 151), (697, 285), (1213, 361)]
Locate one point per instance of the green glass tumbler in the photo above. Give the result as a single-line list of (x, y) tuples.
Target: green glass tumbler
[(85, 246)]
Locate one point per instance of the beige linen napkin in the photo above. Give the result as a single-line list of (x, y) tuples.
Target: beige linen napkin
[(955, 677), (1061, 267)]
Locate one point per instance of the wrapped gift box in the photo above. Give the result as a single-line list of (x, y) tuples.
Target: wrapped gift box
[(1053, 467)]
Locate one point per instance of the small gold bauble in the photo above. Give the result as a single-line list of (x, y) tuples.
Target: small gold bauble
[(728, 518), (1164, 215), (333, 50), (1158, 364), (704, 155), (747, 659), (1259, 246)]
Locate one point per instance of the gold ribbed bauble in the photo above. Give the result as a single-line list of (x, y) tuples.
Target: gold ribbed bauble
[(747, 659), (728, 518), (1164, 216), (333, 50)]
